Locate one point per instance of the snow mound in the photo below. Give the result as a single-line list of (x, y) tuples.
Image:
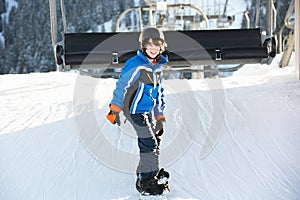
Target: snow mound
[(230, 138)]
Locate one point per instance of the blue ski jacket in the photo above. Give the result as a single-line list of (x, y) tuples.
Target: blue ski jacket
[(139, 89)]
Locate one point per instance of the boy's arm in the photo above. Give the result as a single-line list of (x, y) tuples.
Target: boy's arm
[(128, 76), (160, 104)]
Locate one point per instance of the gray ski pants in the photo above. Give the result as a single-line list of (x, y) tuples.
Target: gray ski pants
[(148, 145)]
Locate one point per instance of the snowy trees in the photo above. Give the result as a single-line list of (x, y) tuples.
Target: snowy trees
[(27, 41), (2, 10), (26, 36)]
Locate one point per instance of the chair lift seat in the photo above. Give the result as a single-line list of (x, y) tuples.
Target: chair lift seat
[(229, 46)]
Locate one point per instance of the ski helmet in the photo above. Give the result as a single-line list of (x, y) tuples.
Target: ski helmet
[(154, 34)]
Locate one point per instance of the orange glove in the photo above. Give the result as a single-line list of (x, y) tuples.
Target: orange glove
[(113, 115)]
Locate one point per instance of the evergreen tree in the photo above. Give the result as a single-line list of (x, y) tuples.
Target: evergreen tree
[(145, 15), (2, 6), (2, 10), (116, 11), (2, 66)]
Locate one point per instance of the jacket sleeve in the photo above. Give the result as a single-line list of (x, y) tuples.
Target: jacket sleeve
[(160, 103), (128, 76)]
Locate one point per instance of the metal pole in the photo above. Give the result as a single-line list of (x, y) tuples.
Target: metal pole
[(291, 39), (297, 38), (289, 13), (170, 7), (141, 19), (151, 16), (269, 18), (121, 17), (286, 24), (53, 22), (225, 8), (53, 26), (203, 15), (288, 51), (279, 38), (257, 14), (62, 8), (274, 17), (246, 13)]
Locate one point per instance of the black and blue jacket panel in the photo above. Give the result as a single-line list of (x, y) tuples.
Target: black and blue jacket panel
[(139, 88)]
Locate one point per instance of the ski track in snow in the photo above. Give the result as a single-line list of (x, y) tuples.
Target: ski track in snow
[(280, 172), (255, 157)]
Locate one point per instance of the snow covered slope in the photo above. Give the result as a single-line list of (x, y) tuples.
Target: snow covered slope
[(230, 138)]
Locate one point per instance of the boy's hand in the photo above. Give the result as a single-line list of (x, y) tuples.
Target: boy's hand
[(160, 126), (113, 115)]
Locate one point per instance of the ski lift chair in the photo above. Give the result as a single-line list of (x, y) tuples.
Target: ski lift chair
[(227, 46), (231, 46)]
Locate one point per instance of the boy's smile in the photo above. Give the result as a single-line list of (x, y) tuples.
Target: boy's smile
[(152, 50)]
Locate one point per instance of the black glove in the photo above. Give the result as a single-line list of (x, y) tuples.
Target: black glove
[(160, 127)]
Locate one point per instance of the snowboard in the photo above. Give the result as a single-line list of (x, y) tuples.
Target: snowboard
[(153, 197)]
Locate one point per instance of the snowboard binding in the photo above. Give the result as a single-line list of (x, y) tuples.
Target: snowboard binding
[(157, 185)]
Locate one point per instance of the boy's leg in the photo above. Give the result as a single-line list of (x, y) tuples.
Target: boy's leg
[(148, 145)]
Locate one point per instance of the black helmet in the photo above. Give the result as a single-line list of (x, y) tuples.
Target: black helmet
[(153, 33)]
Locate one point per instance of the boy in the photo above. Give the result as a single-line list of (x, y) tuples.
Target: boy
[(138, 93)]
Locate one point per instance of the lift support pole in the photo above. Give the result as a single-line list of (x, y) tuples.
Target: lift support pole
[(297, 38), (53, 21), (269, 18)]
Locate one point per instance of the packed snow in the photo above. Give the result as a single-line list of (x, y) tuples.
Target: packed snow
[(226, 138)]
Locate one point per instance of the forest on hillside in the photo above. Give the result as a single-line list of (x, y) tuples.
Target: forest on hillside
[(25, 39)]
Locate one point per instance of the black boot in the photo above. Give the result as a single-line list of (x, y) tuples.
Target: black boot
[(150, 186), (162, 176)]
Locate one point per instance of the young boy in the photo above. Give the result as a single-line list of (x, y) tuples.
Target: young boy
[(138, 93)]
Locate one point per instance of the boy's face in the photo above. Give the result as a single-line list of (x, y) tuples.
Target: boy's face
[(152, 49)]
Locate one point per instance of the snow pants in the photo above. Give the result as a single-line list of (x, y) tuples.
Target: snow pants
[(148, 145)]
